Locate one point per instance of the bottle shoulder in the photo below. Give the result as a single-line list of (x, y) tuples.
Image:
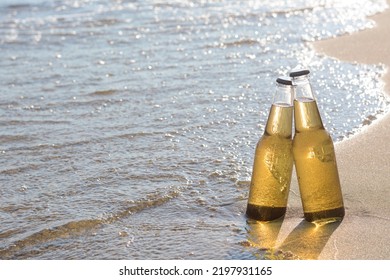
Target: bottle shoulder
[(313, 136), (315, 131), (265, 138)]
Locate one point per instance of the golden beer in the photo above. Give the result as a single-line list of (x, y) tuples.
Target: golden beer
[(273, 162), (315, 161)]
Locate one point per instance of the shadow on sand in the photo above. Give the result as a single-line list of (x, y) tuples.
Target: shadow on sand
[(305, 242)]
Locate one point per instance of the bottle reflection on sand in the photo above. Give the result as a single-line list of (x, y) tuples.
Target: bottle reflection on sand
[(305, 242), (264, 236), (308, 240)]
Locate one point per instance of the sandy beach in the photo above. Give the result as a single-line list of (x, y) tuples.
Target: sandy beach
[(364, 166)]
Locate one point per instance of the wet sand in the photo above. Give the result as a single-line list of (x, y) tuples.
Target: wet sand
[(364, 168)]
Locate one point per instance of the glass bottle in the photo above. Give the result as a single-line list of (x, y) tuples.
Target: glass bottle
[(314, 157), (273, 161)]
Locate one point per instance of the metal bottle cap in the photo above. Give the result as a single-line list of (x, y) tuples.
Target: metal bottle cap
[(299, 72), (284, 81)]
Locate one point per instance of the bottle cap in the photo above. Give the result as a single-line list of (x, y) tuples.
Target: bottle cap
[(297, 72), (284, 81)]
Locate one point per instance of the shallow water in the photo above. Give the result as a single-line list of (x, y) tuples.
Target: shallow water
[(128, 128)]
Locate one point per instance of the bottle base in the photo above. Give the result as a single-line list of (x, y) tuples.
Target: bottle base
[(326, 216), (264, 213)]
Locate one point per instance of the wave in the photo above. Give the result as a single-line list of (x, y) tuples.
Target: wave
[(21, 4), (104, 92), (21, 169), (241, 42), (14, 138), (57, 146), (82, 227), (32, 122)]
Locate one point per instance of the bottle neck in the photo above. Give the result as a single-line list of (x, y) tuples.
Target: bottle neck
[(307, 116), (306, 113), (284, 95), (281, 113), (303, 88), (279, 121)]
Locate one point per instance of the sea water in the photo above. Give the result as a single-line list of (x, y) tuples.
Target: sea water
[(128, 127)]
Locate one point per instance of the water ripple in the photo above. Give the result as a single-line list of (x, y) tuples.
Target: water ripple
[(82, 227)]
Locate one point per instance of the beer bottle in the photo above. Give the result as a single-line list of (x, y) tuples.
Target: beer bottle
[(314, 157), (273, 161)]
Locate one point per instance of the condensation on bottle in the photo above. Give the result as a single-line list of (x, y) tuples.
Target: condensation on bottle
[(314, 157), (273, 160)]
